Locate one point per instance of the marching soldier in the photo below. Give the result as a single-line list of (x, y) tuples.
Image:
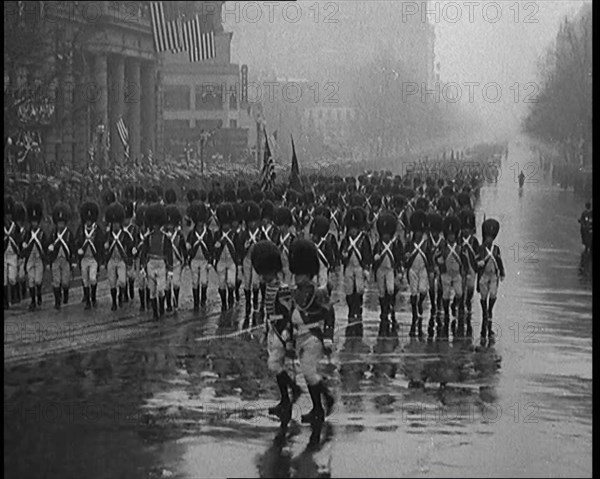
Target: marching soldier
[(357, 258), (60, 254), (140, 232), (175, 235), (319, 230), (19, 217), (12, 241), (129, 229), (435, 223), (249, 237), (266, 260), (157, 257), (226, 256), (117, 253), (285, 237), (89, 241), (452, 265), (418, 265), (238, 227), (33, 252), (313, 319), (470, 247), (199, 252), (490, 269), (387, 263)]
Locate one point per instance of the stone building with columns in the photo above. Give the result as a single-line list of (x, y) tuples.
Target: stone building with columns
[(108, 70)]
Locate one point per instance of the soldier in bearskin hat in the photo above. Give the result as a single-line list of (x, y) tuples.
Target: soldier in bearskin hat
[(490, 270), (156, 257), (436, 240), (226, 255), (470, 249), (418, 265), (199, 248), (33, 252), (173, 231), (89, 241), (319, 231), (117, 253), (129, 229), (59, 252), (140, 232), (266, 260), (357, 258), (20, 217), (452, 265), (12, 249), (170, 197), (387, 265), (238, 227), (285, 237), (249, 237), (313, 320)]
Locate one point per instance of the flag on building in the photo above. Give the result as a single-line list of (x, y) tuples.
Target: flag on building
[(124, 135), (175, 34), (268, 171), (295, 181)]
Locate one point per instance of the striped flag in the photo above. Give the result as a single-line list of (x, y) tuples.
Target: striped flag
[(172, 33), (124, 135), (268, 171)]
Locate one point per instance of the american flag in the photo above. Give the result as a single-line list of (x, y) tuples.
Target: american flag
[(124, 135), (175, 34), (268, 171)]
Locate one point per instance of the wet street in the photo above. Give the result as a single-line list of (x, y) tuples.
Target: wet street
[(101, 395)]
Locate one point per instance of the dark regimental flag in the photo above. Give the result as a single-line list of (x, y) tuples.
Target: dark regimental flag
[(268, 171), (295, 182), (124, 136)]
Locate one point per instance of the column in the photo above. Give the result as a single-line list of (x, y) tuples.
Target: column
[(100, 107), (81, 126), (148, 108), (116, 86), (132, 105), (67, 87)]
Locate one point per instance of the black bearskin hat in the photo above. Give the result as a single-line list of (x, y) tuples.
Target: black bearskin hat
[(444, 204), (258, 197), (61, 212), (35, 210), (225, 213), (467, 220), (267, 210), (115, 213), (156, 215), (304, 258), (283, 216), (386, 224), (357, 200), (152, 196), (244, 194), (192, 195), (140, 193), (451, 225), (173, 215), (229, 195), (355, 218), (238, 209), (251, 211), (19, 212), (375, 200), (9, 205), (434, 222), (418, 221), (322, 211), (128, 192), (197, 212), (266, 258), (89, 211), (490, 227), (128, 207), (202, 196), (108, 197), (215, 196), (422, 204), (170, 197), (140, 215), (292, 197), (464, 200), (319, 226)]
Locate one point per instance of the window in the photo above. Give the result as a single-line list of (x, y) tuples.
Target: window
[(177, 98), (232, 123)]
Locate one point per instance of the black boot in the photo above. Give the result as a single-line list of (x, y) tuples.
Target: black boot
[(432, 309), (255, 300), (32, 294), (16, 293), (161, 305), (248, 308), (484, 319), (469, 301), (358, 298), (113, 294), (263, 293), (350, 330), (454, 305), (93, 289), (175, 298), (222, 294), (56, 298), (142, 295), (230, 297), (469, 332), (490, 308), (317, 414), (168, 299), (154, 303), (65, 295), (86, 297), (124, 293), (382, 315), (446, 325), (460, 330), (238, 284), (38, 290), (203, 296), (23, 289), (196, 299), (327, 397), (6, 296), (392, 310), (415, 315), (283, 410), (148, 297), (131, 283), (422, 297)]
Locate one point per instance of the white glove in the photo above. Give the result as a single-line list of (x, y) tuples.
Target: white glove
[(80, 252), (106, 245), (218, 244), (134, 250), (328, 346), (188, 246), (51, 248), (170, 274), (376, 257), (24, 245)]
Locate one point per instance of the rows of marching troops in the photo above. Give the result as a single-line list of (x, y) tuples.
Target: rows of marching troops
[(412, 231)]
